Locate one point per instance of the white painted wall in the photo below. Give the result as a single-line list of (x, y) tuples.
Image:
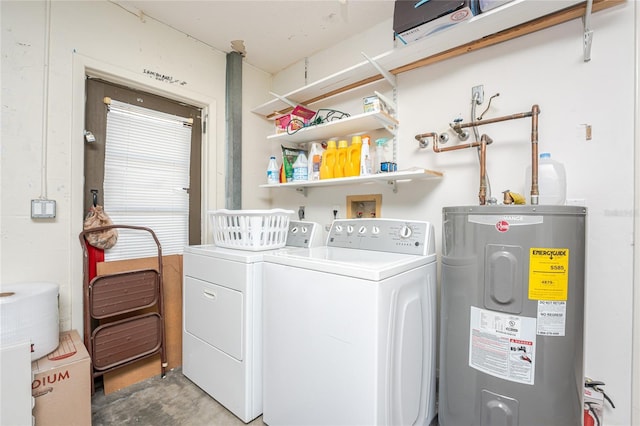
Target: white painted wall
[(105, 40), (544, 68)]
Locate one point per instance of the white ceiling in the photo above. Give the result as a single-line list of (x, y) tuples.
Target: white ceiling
[(276, 33)]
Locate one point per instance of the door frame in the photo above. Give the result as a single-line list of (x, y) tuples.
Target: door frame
[(82, 66), (96, 119)]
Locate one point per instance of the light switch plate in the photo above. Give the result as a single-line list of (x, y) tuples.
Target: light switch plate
[(43, 209)]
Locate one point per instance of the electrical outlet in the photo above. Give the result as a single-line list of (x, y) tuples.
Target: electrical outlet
[(335, 212), (477, 93)]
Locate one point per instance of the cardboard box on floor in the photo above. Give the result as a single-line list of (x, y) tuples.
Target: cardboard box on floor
[(62, 384), (172, 295)]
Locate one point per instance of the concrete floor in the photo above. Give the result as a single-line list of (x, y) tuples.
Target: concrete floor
[(172, 401)]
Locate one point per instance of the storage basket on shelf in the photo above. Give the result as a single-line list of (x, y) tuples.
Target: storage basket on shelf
[(252, 230)]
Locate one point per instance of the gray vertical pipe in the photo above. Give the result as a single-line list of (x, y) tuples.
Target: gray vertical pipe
[(233, 183)]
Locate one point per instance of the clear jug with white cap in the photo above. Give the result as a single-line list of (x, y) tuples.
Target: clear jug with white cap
[(552, 181)]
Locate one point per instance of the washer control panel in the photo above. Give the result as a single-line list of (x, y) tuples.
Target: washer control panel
[(391, 235)]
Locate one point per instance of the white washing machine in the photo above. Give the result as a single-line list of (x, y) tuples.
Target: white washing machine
[(349, 329), (222, 320)]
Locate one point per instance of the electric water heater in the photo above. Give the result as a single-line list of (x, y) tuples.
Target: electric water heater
[(512, 314)]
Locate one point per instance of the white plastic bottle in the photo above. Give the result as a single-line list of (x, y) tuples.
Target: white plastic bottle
[(314, 160), (365, 158), (301, 168), (273, 171), (552, 181), (380, 154)]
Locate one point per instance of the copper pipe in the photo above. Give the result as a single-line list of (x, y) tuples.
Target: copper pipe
[(456, 147), (422, 136), (495, 120), (486, 140), (436, 148), (535, 111), (482, 195)]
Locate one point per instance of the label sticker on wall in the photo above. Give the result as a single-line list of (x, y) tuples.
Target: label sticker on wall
[(552, 316), (548, 273), (502, 345)]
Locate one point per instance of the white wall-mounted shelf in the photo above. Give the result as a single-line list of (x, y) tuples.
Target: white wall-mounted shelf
[(391, 178), (511, 20), (508, 21), (340, 128)]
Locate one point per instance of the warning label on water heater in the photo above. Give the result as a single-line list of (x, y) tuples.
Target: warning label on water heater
[(552, 317), (548, 273), (502, 345)]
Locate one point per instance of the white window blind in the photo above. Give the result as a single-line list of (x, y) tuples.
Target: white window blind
[(146, 176)]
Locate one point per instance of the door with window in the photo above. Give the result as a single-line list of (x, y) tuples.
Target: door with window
[(143, 164)]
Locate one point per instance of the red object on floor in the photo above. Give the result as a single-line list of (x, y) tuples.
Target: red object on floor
[(95, 255)]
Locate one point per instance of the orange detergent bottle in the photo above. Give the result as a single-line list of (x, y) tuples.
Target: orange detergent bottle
[(341, 159), (352, 164), (328, 161)]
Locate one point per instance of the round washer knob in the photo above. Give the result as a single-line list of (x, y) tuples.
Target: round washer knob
[(294, 229), (375, 230), (304, 230), (405, 232), (362, 229), (349, 229), (338, 228)]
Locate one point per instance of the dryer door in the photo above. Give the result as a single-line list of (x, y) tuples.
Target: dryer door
[(215, 314)]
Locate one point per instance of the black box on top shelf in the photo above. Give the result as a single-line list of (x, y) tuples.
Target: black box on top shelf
[(413, 20)]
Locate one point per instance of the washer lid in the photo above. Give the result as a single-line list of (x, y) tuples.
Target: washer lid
[(365, 264)]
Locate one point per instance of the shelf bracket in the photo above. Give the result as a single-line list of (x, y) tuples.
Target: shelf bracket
[(302, 190), (285, 100), (393, 183), (386, 74), (391, 104), (588, 33)]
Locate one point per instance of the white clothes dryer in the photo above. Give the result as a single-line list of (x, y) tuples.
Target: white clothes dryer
[(349, 329), (222, 320)]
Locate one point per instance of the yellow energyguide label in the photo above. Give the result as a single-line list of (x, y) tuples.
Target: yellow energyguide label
[(548, 273)]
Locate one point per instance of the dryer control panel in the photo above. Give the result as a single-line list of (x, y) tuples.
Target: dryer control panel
[(303, 234), (392, 235)]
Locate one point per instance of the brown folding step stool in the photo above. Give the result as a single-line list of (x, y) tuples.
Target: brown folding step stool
[(118, 327)]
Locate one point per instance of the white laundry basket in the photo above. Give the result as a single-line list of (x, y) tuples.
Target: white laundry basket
[(252, 230)]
